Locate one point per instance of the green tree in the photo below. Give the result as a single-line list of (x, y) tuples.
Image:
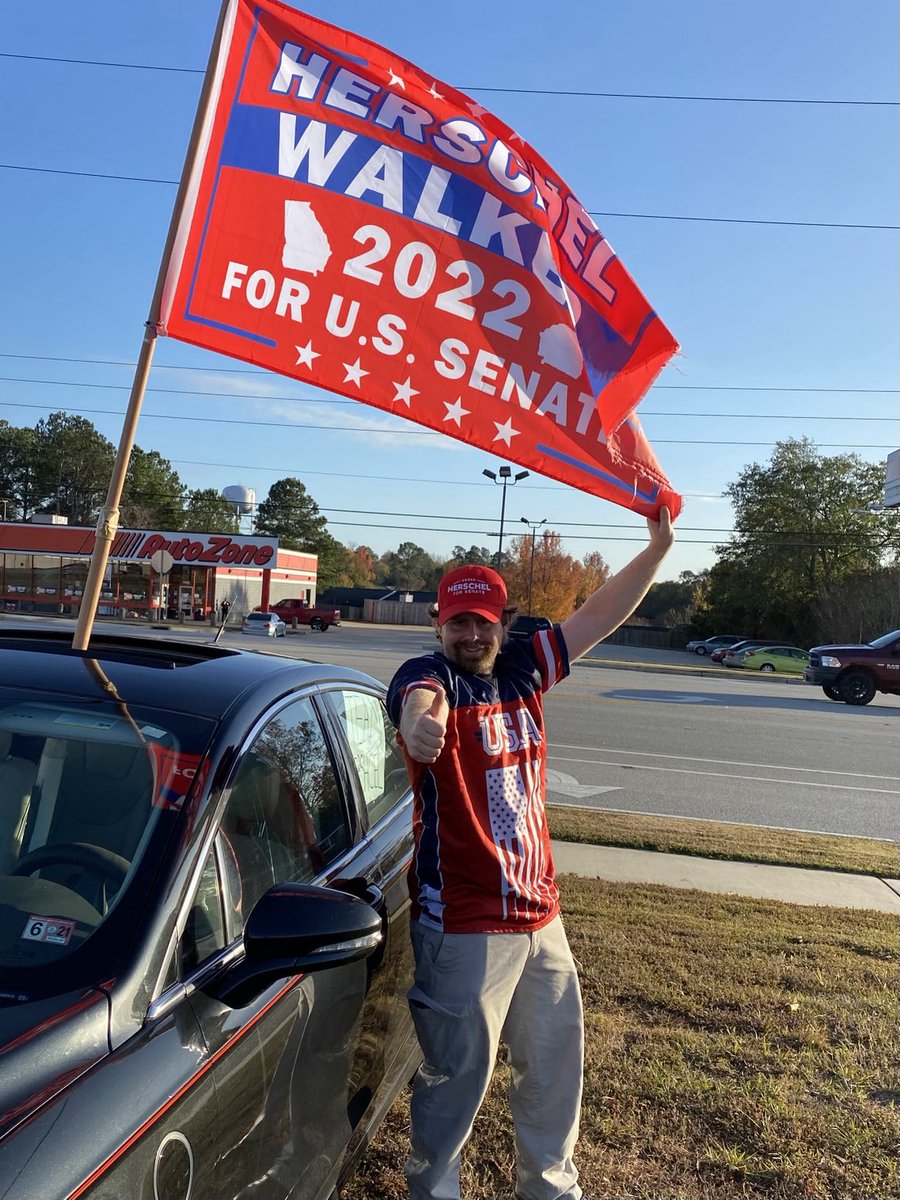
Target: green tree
[(673, 601), (290, 514), (73, 467), (479, 556), (408, 568), (153, 496), (207, 511), (18, 455), (795, 534)]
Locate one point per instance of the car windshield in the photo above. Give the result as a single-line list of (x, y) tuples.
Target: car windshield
[(90, 792), (886, 640)]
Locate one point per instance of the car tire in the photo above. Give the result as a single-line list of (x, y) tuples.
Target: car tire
[(831, 692), (318, 624), (701, 650), (857, 687), (768, 668)]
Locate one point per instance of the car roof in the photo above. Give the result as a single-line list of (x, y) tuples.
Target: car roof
[(164, 673)]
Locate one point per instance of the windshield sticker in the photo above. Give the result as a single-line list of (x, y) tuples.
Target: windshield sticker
[(56, 931)]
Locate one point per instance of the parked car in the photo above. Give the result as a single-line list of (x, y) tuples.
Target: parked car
[(718, 655), (203, 920), (855, 673), (526, 627), (708, 645), (790, 660), (267, 623)]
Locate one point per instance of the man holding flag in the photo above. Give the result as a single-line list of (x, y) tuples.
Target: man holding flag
[(491, 954)]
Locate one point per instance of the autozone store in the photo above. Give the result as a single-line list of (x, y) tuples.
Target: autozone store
[(43, 569)]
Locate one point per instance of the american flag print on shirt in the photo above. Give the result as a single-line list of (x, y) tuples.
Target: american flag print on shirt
[(515, 812)]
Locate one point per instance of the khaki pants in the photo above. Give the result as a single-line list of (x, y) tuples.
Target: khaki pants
[(470, 989)]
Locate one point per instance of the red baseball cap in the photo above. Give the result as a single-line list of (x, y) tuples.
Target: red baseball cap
[(471, 589)]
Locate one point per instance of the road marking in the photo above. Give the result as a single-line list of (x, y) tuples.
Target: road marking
[(562, 784), (837, 787), (720, 762)]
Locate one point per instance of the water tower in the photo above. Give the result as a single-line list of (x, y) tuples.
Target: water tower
[(242, 499)]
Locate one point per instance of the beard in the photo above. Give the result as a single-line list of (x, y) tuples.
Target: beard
[(480, 662)]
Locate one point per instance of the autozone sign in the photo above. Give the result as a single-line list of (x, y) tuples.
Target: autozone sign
[(206, 549)]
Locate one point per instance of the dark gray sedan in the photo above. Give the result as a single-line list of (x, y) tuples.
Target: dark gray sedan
[(203, 921)]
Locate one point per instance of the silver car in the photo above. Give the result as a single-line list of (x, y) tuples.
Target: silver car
[(268, 623)]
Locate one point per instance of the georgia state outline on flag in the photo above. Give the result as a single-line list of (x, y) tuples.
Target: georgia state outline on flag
[(355, 223)]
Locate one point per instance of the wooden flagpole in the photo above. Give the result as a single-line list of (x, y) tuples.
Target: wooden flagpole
[(108, 522)]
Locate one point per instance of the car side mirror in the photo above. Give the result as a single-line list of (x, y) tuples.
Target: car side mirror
[(295, 929)]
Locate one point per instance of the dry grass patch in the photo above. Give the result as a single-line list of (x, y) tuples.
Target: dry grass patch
[(715, 839), (735, 1048)]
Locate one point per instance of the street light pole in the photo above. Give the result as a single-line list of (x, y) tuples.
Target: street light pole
[(534, 526), (505, 477)]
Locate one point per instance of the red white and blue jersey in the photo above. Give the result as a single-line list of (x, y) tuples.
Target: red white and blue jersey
[(482, 860)]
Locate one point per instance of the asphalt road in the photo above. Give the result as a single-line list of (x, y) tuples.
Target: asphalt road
[(710, 742), (681, 737)]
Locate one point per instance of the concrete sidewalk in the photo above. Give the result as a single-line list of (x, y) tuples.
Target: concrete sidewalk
[(795, 885)]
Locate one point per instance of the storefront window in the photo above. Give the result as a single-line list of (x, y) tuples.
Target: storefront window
[(74, 577), (17, 579), (46, 569)]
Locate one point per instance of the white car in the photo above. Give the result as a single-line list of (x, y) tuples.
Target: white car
[(268, 623)]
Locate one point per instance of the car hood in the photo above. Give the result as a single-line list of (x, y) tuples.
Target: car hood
[(848, 648), (44, 1045)]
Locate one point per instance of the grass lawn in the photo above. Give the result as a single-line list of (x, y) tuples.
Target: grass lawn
[(735, 1048), (715, 839)]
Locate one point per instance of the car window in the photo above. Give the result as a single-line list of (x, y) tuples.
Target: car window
[(380, 766), (89, 791), (284, 820), (204, 931)]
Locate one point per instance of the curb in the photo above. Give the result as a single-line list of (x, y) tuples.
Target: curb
[(686, 669)]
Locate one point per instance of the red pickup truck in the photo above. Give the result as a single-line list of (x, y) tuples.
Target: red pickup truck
[(293, 608), (855, 673)]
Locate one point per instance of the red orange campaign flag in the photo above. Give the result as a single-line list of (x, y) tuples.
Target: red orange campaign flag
[(353, 222)]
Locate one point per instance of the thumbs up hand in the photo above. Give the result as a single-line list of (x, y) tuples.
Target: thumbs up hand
[(423, 724)]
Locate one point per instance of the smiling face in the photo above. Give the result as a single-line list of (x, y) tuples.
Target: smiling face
[(473, 642)]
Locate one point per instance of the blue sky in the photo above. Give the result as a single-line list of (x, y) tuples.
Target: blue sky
[(754, 306)]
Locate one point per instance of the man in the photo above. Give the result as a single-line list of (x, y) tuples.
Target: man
[(491, 955)]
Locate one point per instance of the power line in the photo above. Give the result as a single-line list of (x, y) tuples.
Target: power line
[(657, 387), (591, 212), (518, 91), (403, 432), (332, 402)]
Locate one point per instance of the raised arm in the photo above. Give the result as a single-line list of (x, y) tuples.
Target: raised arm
[(615, 601)]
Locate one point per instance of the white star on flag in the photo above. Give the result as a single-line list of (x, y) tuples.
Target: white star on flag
[(354, 372), (405, 392), (455, 411), (432, 91), (396, 80), (517, 137), (505, 432), (306, 354), (477, 110)]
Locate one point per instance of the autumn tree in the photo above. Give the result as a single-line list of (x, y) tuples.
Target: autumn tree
[(548, 583)]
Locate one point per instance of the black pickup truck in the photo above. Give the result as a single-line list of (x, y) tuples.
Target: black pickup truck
[(855, 673)]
